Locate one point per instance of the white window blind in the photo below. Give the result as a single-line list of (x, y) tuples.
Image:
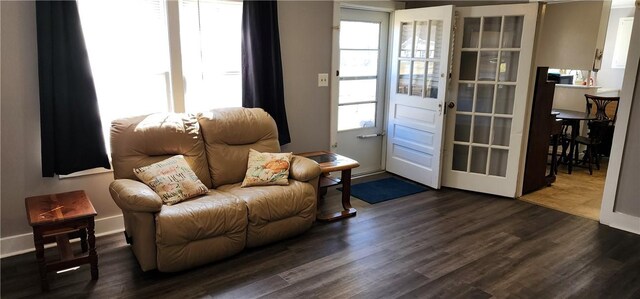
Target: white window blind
[(210, 36), (129, 55), (129, 50)]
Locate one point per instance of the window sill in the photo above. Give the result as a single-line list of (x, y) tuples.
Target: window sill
[(84, 173)]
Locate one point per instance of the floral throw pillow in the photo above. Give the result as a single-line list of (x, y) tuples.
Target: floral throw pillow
[(172, 179), (267, 169)]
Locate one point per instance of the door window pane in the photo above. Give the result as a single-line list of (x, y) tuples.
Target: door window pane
[(481, 129), (356, 116), (359, 35), (422, 31), (358, 63), (505, 98), (491, 32), (498, 164), (509, 66), (417, 82), (484, 98), (471, 32), (488, 65), (460, 157), (468, 61), (465, 97), (501, 131), (357, 91), (463, 128), (404, 73), (512, 31), (479, 159), (433, 78), (406, 39), (435, 38)]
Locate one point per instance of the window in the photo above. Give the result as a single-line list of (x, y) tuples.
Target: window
[(132, 49), (621, 47), (211, 61)]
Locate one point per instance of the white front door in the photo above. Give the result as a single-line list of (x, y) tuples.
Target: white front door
[(361, 85), (419, 68), (489, 88)]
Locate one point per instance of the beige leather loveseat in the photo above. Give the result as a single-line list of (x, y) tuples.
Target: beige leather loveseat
[(226, 219)]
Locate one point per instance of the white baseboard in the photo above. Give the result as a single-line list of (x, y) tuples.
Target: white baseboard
[(19, 244), (621, 221)]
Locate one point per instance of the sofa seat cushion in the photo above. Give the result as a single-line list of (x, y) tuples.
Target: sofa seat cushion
[(276, 212), (200, 230)]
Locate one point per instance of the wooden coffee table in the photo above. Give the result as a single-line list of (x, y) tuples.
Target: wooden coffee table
[(57, 218), (329, 162)]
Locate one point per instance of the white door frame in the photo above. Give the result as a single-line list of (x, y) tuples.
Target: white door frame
[(382, 6), (608, 215)]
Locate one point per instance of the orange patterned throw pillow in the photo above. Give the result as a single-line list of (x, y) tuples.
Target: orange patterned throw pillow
[(267, 169), (172, 179)]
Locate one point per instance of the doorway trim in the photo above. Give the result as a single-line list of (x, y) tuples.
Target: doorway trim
[(608, 215)]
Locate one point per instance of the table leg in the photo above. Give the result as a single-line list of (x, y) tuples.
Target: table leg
[(83, 239), (93, 256), (346, 195), (575, 128), (553, 169), (38, 240), (346, 200)]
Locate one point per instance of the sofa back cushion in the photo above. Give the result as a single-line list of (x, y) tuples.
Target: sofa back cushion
[(143, 140), (228, 135)]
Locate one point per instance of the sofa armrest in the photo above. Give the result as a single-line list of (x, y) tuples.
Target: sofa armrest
[(303, 169), (134, 196)]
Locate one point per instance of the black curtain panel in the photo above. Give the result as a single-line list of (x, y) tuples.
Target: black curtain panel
[(71, 131), (261, 63)]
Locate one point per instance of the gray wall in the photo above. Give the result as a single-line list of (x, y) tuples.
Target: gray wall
[(20, 127), (569, 35), (305, 38), (305, 32), (607, 76), (628, 195)]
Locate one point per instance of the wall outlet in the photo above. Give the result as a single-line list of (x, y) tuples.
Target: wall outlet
[(323, 79)]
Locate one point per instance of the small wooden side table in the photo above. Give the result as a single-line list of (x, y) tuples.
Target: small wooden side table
[(57, 218), (329, 162)]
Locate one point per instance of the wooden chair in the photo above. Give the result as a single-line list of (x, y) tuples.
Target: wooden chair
[(606, 109), (602, 112), (597, 129)]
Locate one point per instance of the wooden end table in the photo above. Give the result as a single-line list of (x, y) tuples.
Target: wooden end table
[(329, 162), (57, 218)]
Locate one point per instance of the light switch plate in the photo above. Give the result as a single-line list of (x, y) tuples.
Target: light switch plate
[(323, 79)]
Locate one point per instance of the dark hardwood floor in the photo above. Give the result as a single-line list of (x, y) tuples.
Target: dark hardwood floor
[(437, 244)]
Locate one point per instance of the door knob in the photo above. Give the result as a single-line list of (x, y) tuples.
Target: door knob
[(451, 105)]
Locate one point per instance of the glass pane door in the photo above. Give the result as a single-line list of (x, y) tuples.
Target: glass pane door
[(486, 94), (418, 87), (359, 54)]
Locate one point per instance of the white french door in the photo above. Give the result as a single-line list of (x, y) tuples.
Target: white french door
[(362, 49), (419, 68), (489, 90)]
